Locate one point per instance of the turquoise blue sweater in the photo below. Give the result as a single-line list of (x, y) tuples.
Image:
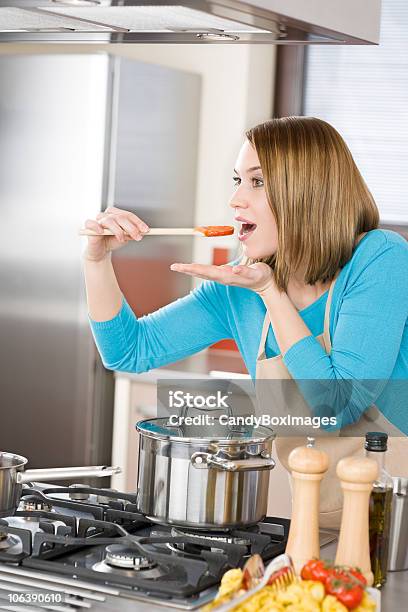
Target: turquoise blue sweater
[(368, 328)]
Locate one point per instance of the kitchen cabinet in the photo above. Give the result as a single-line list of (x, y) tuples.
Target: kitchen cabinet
[(134, 400)]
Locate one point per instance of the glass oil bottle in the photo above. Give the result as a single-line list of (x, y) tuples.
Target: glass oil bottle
[(380, 508)]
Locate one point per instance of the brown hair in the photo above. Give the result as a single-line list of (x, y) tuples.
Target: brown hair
[(317, 195)]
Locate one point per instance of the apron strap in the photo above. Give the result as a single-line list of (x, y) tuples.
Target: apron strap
[(326, 329), (265, 329)]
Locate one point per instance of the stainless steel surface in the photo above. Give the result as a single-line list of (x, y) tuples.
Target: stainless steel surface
[(49, 578), (398, 546), (59, 397), (77, 133), (12, 476), (172, 490), (153, 156), (161, 21), (71, 473)]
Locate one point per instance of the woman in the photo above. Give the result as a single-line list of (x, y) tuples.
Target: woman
[(309, 224)]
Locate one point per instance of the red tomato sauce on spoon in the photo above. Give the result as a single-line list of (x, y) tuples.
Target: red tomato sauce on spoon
[(215, 230)]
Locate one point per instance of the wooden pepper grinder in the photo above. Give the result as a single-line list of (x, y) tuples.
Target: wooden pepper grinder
[(308, 466), (357, 475)]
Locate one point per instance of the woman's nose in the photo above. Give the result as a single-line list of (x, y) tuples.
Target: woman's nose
[(237, 201)]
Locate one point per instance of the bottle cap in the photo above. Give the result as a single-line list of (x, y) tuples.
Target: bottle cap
[(376, 441)]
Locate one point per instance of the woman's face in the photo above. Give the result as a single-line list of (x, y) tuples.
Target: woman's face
[(258, 234)]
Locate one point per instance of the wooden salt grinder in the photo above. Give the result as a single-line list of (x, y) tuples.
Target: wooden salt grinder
[(357, 475), (308, 466)]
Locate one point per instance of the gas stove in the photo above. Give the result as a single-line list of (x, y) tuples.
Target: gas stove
[(93, 543)]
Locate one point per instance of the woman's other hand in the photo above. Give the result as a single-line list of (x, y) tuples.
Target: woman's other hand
[(257, 276), (123, 224)]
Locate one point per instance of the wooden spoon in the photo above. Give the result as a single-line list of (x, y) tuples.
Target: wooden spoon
[(208, 231)]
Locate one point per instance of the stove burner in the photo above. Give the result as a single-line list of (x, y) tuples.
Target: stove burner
[(29, 503), (126, 561), (80, 495), (119, 555)]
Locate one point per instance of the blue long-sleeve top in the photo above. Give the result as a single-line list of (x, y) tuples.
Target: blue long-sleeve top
[(368, 329)]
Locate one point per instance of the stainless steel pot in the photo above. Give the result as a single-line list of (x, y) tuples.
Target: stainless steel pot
[(12, 477), (203, 483)]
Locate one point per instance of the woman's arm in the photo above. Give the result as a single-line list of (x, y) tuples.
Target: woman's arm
[(169, 334), (103, 293)]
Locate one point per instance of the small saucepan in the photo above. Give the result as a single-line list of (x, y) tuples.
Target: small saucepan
[(13, 476)]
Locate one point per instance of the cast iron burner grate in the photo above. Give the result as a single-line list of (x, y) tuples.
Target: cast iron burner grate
[(101, 537)]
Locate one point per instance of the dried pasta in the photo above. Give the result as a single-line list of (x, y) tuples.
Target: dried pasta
[(301, 596)]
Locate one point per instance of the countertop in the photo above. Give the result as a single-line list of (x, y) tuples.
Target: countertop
[(209, 363), (393, 596)]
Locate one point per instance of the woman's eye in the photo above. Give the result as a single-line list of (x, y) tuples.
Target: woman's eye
[(236, 181), (257, 182)]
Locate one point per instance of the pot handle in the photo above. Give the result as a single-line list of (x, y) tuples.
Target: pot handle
[(71, 473), (207, 460)]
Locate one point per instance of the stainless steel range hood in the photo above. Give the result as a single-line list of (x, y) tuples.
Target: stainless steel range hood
[(188, 21)]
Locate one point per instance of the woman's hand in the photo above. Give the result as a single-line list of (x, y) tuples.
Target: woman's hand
[(257, 276), (124, 225)]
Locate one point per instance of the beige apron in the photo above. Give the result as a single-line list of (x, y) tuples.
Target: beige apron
[(331, 497)]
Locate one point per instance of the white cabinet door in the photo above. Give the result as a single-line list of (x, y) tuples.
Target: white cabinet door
[(134, 401)]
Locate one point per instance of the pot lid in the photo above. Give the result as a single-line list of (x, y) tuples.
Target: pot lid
[(221, 433)]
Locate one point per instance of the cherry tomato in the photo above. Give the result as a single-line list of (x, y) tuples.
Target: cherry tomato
[(315, 569), (345, 588), (356, 572)]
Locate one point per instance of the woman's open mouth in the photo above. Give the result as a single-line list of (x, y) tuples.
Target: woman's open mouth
[(246, 230)]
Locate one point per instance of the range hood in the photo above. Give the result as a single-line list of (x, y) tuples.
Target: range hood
[(280, 22)]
